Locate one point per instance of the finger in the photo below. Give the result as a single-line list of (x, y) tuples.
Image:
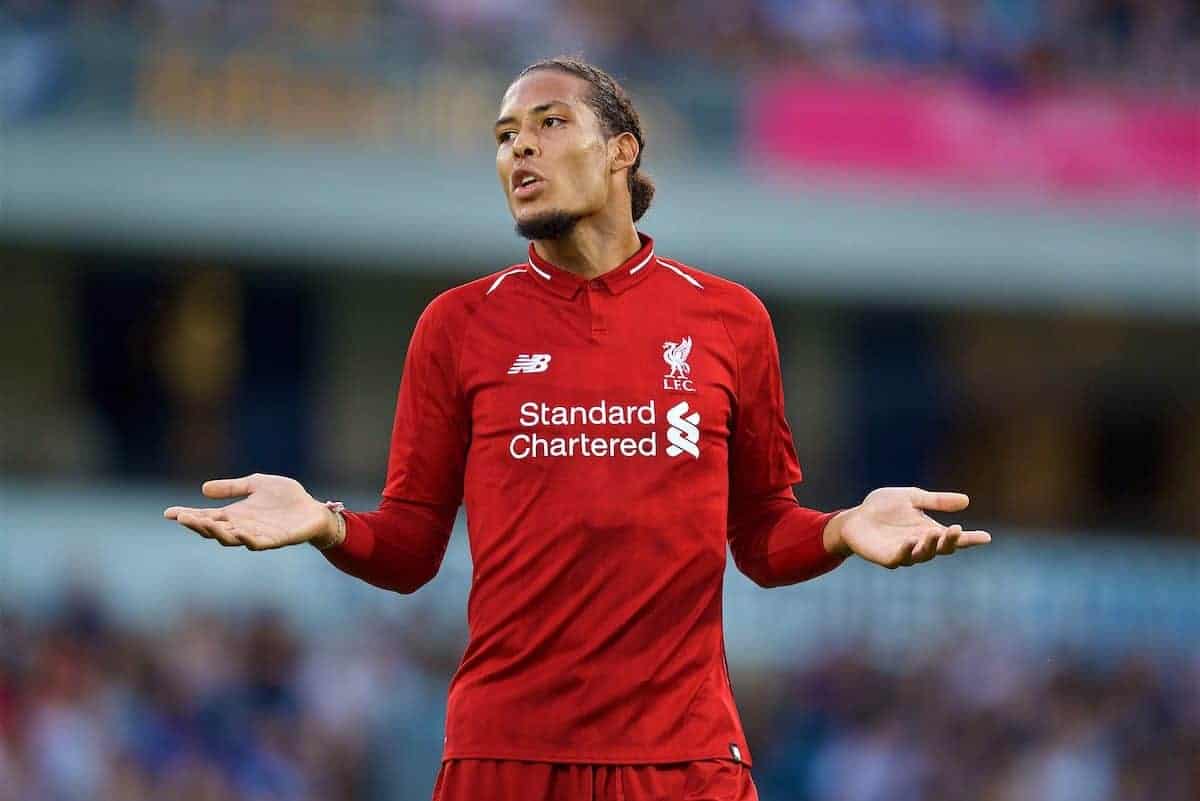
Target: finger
[(926, 547), (251, 535), (208, 528), (948, 542), (916, 553), (972, 538), (939, 501), (255, 543), (219, 530), (903, 556), (186, 519), (230, 487), (173, 512), (224, 534)]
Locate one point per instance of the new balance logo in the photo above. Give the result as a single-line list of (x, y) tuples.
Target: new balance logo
[(530, 363), (683, 431)]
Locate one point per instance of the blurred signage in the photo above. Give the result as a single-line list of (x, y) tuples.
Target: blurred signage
[(1064, 142), (443, 106), (263, 92)]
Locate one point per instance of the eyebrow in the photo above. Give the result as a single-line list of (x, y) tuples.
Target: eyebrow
[(538, 109)]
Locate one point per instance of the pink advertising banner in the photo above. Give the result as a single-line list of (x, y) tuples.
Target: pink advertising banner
[(1060, 143)]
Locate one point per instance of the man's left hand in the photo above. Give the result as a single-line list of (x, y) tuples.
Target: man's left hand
[(890, 527)]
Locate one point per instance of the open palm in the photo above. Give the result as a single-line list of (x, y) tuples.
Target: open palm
[(275, 511), (890, 527)]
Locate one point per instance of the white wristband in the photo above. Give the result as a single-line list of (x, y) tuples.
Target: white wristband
[(336, 508)]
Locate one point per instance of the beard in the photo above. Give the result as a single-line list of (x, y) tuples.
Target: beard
[(548, 225)]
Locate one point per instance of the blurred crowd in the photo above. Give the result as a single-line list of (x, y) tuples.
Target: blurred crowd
[(985, 720), (212, 709), (1148, 43), (243, 706)]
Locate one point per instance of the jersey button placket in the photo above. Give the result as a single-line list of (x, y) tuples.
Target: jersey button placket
[(597, 297)]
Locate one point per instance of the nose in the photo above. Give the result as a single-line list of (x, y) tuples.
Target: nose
[(525, 144)]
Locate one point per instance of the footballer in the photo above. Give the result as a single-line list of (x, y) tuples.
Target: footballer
[(613, 420)]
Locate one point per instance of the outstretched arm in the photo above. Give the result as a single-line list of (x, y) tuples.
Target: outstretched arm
[(782, 543), (400, 545), (776, 541)]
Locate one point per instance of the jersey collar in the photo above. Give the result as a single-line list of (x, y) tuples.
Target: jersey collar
[(567, 284)]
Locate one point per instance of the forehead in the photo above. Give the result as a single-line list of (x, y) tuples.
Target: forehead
[(543, 86)]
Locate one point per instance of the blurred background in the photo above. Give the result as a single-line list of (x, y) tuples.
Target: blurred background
[(973, 221)]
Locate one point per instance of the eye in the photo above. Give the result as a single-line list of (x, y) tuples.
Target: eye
[(546, 122), (505, 136)]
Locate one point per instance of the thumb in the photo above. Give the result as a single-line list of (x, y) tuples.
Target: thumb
[(939, 501), (230, 487)]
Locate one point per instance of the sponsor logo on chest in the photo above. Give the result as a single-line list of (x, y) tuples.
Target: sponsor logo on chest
[(591, 431), (606, 429)]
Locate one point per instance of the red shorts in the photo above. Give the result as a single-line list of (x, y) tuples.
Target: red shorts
[(508, 780)]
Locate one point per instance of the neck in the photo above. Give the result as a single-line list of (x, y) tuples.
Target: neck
[(592, 248)]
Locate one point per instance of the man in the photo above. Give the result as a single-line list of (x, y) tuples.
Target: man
[(612, 418)]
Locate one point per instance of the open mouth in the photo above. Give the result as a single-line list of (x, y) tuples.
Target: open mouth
[(526, 182), (529, 187)]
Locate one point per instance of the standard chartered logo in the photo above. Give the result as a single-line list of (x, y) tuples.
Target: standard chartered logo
[(683, 431), (550, 440)]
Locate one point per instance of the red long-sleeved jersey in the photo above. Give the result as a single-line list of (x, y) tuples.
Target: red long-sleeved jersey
[(608, 436)]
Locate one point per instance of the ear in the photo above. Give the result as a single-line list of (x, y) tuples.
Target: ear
[(622, 151)]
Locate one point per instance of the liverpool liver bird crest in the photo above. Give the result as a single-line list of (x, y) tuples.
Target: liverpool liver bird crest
[(675, 354)]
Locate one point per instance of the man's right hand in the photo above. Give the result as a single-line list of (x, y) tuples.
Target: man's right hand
[(275, 511)]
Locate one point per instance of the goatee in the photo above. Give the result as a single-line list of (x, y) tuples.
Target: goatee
[(551, 225)]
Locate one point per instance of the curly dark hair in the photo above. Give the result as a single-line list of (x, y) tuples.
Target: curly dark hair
[(616, 112)]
